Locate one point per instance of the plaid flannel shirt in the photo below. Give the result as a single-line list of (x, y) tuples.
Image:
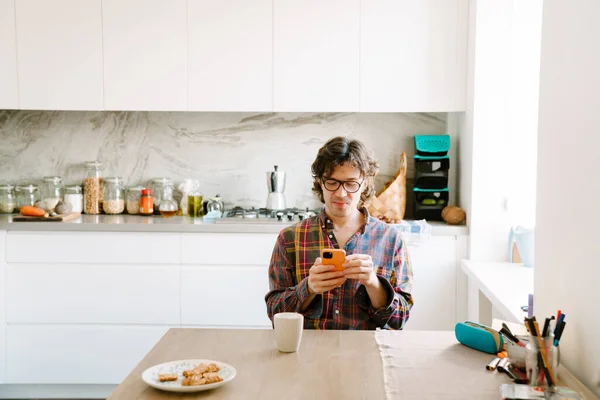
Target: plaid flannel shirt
[(348, 306)]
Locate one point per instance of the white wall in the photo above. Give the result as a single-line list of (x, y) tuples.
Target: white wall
[(567, 271)]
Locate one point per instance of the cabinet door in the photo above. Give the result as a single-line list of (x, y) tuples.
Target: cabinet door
[(145, 61), (59, 45), (9, 92), (227, 296), (413, 55), (76, 354), (434, 265), (316, 55), (230, 55)]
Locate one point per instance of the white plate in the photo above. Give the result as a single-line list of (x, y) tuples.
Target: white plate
[(150, 376)]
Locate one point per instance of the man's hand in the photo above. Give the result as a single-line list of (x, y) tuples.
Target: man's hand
[(322, 278), (360, 267)]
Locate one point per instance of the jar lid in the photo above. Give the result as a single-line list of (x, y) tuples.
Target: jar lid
[(73, 188), (162, 180), (146, 191), (7, 186), (135, 188), (29, 188), (113, 179), (93, 164), (53, 179)]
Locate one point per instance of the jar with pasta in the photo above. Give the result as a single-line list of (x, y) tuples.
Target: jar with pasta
[(114, 197), (133, 199), (8, 201), (92, 188)]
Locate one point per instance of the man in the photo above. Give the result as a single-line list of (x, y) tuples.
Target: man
[(374, 288)]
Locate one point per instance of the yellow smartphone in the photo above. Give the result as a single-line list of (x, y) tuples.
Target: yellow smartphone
[(334, 257)]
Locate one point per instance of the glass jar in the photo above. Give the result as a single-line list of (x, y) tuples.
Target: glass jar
[(8, 200), (51, 191), (146, 202), (158, 186), (188, 186), (27, 195), (74, 197), (114, 196), (168, 207), (195, 207), (92, 188), (134, 193), (533, 365)]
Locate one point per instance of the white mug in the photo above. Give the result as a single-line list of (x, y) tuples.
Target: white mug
[(288, 331)]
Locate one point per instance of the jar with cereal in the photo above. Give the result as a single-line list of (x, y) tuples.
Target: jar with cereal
[(133, 199), (114, 199), (27, 195), (8, 201), (92, 188)]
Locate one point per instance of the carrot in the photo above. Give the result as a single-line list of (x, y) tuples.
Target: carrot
[(32, 211)]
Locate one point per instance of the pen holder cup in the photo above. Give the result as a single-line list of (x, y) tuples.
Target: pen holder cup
[(533, 363), (516, 354)]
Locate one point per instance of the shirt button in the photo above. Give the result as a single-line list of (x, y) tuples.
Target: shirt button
[(328, 221), (330, 236), (337, 311)]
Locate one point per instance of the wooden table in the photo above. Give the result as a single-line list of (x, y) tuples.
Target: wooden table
[(329, 365)]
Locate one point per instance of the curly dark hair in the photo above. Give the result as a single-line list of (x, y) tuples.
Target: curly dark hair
[(341, 150)]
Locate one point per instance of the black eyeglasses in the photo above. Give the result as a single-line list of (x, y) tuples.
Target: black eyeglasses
[(349, 186)]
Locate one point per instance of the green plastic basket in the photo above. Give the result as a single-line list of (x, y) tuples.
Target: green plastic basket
[(432, 145)]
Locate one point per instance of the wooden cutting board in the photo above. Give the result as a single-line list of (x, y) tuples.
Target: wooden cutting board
[(59, 218)]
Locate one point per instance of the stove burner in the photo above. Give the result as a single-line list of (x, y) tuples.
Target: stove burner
[(287, 215)]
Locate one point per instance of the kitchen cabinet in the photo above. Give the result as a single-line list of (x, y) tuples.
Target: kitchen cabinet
[(9, 89), (59, 47), (80, 354), (316, 55), (434, 265), (413, 55), (224, 296), (145, 55), (230, 55)]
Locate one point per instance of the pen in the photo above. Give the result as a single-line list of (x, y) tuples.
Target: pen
[(558, 322), (511, 337), (559, 332), (547, 326)]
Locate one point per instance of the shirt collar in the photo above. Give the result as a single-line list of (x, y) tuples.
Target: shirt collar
[(325, 221)]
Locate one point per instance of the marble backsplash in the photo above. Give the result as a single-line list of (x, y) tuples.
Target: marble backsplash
[(228, 152)]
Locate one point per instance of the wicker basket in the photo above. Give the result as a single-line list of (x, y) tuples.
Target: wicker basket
[(390, 204)]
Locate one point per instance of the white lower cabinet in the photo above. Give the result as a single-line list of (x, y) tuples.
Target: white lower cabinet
[(224, 296), (92, 293), (434, 264), (64, 354)]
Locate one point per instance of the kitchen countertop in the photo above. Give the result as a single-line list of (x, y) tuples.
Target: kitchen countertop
[(136, 223)]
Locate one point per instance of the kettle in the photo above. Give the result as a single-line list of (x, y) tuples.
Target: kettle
[(525, 243), (215, 204), (276, 186)]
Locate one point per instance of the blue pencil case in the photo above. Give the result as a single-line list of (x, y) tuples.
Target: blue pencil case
[(479, 337)]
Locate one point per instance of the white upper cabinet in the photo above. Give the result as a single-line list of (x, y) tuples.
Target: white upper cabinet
[(316, 55), (230, 55), (59, 47), (413, 55), (9, 89), (145, 55)]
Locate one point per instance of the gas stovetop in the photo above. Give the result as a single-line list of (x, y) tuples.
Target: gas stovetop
[(264, 215)]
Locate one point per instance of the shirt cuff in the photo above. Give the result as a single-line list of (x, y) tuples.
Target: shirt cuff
[(364, 301), (315, 308)]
